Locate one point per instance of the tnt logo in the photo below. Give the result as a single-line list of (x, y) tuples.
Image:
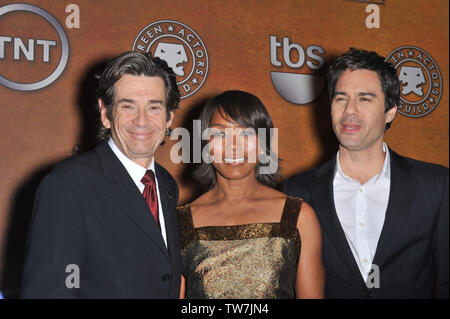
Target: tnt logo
[(182, 49), (28, 50), (297, 88), (33, 39), (420, 80)]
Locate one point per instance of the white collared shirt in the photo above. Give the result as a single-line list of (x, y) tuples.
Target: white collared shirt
[(361, 209), (136, 173)]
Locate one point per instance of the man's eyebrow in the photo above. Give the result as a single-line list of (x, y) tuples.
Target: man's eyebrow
[(367, 93), (359, 93), (339, 93), (156, 102), (127, 100)]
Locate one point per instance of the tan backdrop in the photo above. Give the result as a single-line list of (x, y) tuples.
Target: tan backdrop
[(41, 127)]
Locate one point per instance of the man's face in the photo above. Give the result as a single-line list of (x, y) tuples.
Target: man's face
[(139, 117), (357, 110)]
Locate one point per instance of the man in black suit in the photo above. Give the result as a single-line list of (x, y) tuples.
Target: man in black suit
[(103, 225), (384, 217)]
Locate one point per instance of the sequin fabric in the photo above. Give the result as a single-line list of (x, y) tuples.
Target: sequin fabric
[(244, 261)]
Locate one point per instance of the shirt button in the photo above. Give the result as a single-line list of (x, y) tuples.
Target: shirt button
[(360, 190), (362, 224), (365, 260)]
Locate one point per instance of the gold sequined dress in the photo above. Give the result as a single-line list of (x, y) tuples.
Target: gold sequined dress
[(244, 261)]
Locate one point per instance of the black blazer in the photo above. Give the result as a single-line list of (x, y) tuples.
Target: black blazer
[(412, 252), (88, 212)]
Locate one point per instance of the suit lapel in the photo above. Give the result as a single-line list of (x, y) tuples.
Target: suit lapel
[(126, 195), (168, 205), (323, 199), (400, 198)]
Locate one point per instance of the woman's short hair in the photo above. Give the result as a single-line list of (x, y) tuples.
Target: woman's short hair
[(248, 111)]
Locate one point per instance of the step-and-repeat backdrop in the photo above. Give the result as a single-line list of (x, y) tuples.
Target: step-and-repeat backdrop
[(50, 52)]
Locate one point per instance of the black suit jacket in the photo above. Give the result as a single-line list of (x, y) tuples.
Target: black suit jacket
[(88, 212), (412, 252)]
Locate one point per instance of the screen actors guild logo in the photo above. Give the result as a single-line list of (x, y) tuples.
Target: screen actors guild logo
[(182, 49), (412, 79), (420, 80), (173, 54)]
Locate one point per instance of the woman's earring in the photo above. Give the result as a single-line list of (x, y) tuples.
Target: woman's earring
[(261, 152), (168, 132)]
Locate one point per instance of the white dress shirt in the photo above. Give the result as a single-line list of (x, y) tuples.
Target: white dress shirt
[(361, 209), (136, 173)]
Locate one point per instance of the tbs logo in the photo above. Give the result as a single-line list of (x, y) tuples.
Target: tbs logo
[(297, 88)]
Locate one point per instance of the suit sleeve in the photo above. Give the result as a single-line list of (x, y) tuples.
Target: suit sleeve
[(56, 242), (289, 187), (177, 193), (298, 186), (286, 186), (441, 246)]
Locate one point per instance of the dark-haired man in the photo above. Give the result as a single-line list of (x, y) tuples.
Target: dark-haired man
[(104, 223), (384, 217)]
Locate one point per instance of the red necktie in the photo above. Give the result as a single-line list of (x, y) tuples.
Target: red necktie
[(150, 194)]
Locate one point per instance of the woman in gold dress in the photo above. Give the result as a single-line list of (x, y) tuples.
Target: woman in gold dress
[(242, 238)]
